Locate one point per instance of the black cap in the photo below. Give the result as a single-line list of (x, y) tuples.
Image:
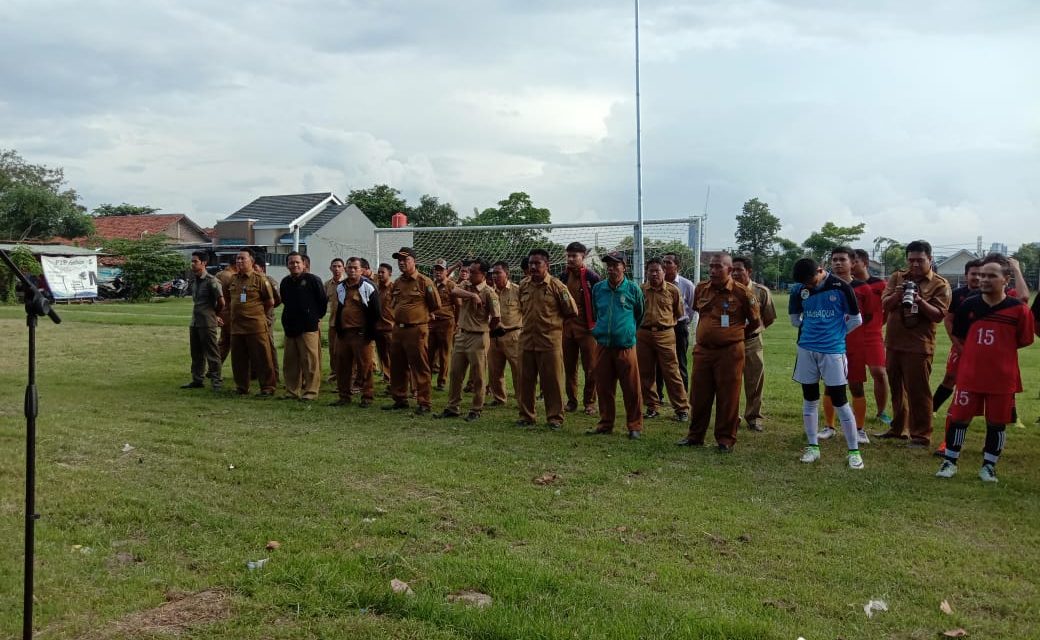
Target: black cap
[(404, 252), (615, 256)]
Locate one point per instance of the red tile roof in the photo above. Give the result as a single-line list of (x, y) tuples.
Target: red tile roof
[(135, 227)]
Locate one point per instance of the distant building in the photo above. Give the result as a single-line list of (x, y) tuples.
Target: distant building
[(952, 267), (321, 225), (998, 247)]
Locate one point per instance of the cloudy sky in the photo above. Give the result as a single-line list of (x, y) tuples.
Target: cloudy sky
[(920, 118)]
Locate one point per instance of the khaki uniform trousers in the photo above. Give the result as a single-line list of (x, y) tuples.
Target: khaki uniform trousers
[(302, 365), (442, 336), (353, 364), (908, 375), (578, 341), (618, 367), (274, 354), (251, 357), (205, 355), (470, 352), (332, 353), (656, 350), (225, 337), (716, 379), (502, 350), (754, 379), (409, 351), (383, 352), (545, 368)]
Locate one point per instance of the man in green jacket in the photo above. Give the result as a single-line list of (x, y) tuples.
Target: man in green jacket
[(619, 312)]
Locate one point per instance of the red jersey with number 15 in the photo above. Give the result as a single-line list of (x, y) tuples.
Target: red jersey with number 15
[(868, 295), (992, 337)]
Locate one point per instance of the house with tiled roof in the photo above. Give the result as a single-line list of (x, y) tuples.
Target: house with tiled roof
[(178, 228), (320, 225)]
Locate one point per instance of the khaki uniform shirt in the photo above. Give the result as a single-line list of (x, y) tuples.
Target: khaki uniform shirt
[(544, 306), (330, 293), (765, 307), (224, 277), (414, 299), (205, 294), (724, 313), (447, 309), (663, 305), (247, 313), (476, 319), (575, 286), (509, 304), (352, 313), (909, 331), (277, 299), (386, 301)]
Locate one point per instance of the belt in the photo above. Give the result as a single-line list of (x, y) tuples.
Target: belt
[(656, 327), (408, 325), (352, 330), (511, 329), (476, 332)]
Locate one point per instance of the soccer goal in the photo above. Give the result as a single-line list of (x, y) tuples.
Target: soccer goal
[(681, 236)]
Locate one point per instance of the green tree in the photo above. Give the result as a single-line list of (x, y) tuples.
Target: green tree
[(148, 261), (774, 270), (14, 170), (24, 259), (820, 243), (431, 212), (32, 212), (517, 209), (1028, 256), (756, 229), (108, 210), (379, 203), (893, 258)]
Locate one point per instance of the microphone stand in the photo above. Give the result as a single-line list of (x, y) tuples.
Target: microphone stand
[(36, 305)]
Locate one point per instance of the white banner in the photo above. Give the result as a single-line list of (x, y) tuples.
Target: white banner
[(72, 277)]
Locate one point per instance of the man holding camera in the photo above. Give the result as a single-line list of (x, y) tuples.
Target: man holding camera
[(915, 300)]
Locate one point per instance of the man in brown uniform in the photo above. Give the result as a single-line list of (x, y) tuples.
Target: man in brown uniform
[(250, 297), (337, 268), (505, 347), (910, 342), (478, 315), (261, 266), (728, 314), (415, 299), (226, 275), (358, 310), (442, 325), (545, 303), (208, 298), (384, 283), (577, 331), (655, 343), (754, 354)]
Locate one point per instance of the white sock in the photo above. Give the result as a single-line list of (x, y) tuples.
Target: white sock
[(811, 419), (848, 425)]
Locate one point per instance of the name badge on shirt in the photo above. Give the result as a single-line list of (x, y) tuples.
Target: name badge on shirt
[(242, 297), (725, 320)]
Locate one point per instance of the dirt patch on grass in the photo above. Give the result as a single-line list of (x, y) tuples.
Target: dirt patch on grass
[(183, 612)]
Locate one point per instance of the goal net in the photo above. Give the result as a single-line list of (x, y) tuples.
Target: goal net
[(512, 243)]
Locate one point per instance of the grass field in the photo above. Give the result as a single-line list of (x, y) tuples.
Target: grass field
[(632, 540)]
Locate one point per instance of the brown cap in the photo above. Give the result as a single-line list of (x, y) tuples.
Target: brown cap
[(615, 256), (441, 263), (404, 252)]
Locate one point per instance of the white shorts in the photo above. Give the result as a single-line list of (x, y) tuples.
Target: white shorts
[(812, 366)]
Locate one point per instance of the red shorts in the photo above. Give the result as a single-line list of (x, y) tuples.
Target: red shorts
[(861, 356), (995, 406), (952, 361)]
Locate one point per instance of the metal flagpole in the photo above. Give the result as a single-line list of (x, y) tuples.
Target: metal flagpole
[(638, 266)]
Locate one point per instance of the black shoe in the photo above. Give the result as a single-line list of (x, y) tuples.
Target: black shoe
[(917, 444), (754, 426), (265, 394), (339, 403), (724, 448), (497, 403), (192, 385), (444, 414), (523, 423), (439, 387), (682, 416), (634, 435), (471, 416), (397, 406), (364, 404), (598, 432), (555, 426), (650, 414), (687, 442), (571, 407), (891, 435), (421, 410)]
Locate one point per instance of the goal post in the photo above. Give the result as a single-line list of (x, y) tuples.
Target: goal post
[(513, 242)]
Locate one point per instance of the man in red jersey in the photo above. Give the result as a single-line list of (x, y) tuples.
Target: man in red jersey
[(989, 329), (868, 290)]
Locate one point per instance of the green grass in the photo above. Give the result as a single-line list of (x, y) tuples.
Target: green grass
[(636, 539)]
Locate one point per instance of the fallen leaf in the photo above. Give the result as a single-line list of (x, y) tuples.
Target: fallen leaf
[(272, 545), (945, 607), (546, 478), (471, 598), (874, 605), (621, 529), (955, 633), (400, 586), (744, 537)]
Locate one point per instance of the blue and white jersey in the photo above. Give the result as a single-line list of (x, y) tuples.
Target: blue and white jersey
[(823, 312)]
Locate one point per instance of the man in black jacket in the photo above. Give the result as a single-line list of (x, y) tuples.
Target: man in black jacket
[(358, 310), (303, 295)]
